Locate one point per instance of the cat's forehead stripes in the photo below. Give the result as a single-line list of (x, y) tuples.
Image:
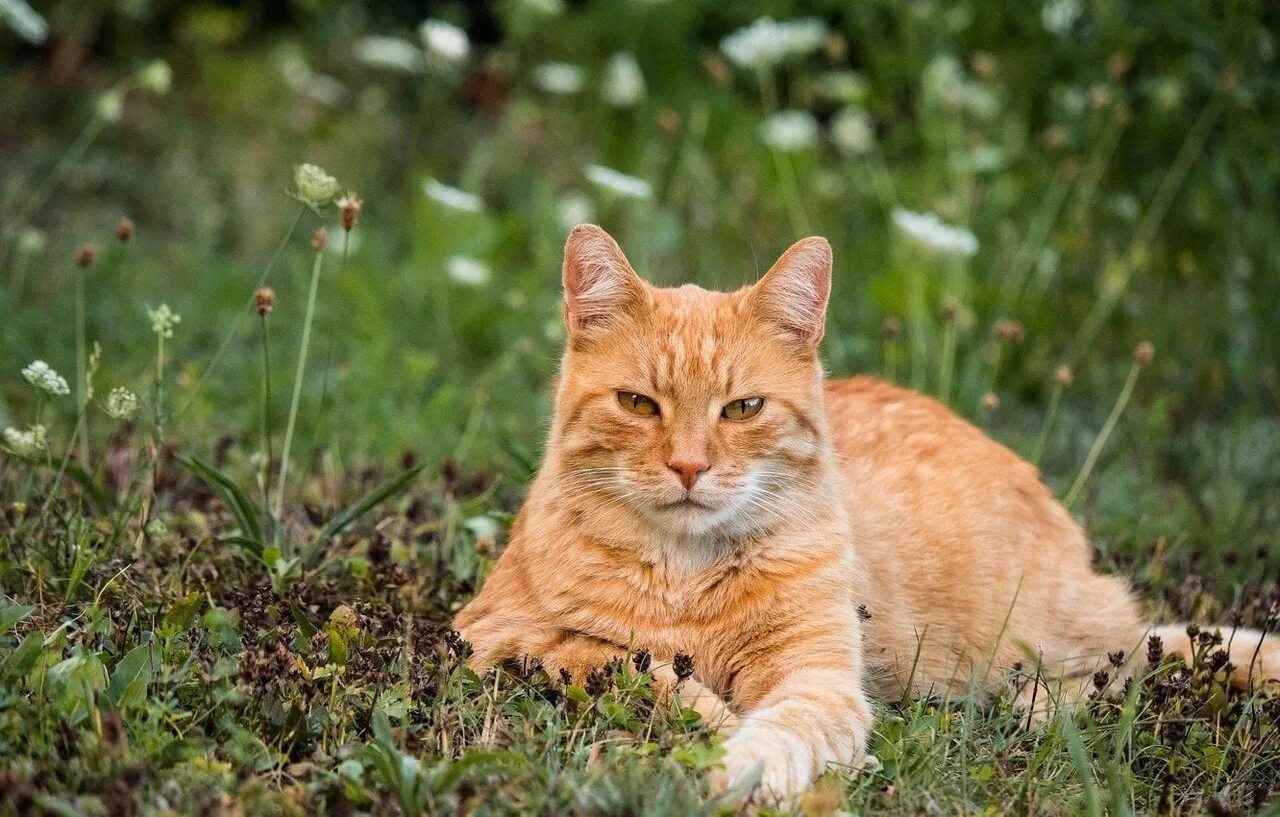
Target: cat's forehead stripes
[(694, 341)]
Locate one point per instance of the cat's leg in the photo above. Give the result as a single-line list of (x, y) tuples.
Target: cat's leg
[(808, 709)]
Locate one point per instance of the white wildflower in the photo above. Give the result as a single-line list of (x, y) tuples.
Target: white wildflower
[(121, 403), (561, 78), (445, 42), (32, 240), (25, 444), (156, 76), (163, 319), (25, 20), (1058, 16), (766, 42), (452, 197), (315, 186), (467, 270), (623, 84), (43, 378), (392, 53), (932, 232), (790, 131), (853, 132), (574, 209), (110, 106), (628, 187), (945, 84)]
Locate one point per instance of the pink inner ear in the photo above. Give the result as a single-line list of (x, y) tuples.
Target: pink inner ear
[(795, 290), (598, 279)]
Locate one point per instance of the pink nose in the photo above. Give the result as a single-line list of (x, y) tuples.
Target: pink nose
[(688, 471)]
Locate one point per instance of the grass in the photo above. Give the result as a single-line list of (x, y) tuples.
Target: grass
[(196, 618)]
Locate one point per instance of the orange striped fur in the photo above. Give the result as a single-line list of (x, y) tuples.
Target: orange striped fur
[(835, 496)]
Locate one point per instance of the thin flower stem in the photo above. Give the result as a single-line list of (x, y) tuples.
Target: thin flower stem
[(1054, 399), (81, 364), (235, 327), (1101, 440), (297, 384), (266, 412), (891, 360)]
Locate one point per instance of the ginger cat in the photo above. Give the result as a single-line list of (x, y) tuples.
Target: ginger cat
[(704, 491)]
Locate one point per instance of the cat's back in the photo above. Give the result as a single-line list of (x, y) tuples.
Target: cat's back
[(918, 479)]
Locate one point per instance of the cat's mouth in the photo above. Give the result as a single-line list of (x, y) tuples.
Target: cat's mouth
[(685, 503)]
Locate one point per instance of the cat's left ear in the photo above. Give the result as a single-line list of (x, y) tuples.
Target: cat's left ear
[(794, 292)]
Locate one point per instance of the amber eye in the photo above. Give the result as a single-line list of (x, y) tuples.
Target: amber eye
[(638, 404), (743, 409)]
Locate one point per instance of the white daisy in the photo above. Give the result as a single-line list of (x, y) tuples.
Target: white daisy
[(932, 232)]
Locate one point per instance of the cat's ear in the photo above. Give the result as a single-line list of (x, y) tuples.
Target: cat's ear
[(794, 292), (600, 287)]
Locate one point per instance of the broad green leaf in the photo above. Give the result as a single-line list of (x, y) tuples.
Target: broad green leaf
[(11, 614), (130, 677), (182, 614), (23, 658)]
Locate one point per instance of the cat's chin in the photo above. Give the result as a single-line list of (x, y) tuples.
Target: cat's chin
[(693, 518)]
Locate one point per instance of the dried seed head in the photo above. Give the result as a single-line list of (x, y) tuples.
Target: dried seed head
[(983, 64), (1062, 376), (484, 545), (641, 660), (1053, 137), (349, 206), (125, 229), (320, 238), (682, 664), (950, 309), (265, 300), (1008, 331), (86, 254), (990, 402), (1144, 353), (1100, 679), (1118, 65), (1116, 659), (891, 328), (1155, 650)]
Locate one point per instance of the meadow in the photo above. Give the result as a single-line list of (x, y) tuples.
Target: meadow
[(279, 321)]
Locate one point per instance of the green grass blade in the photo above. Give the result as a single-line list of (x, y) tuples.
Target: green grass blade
[(229, 492), (348, 516)]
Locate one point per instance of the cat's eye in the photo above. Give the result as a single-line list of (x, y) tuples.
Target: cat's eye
[(638, 404), (743, 409)]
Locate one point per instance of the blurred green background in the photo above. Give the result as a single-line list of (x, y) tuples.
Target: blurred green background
[(1117, 163)]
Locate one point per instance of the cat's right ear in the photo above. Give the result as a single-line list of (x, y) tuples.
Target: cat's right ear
[(600, 287)]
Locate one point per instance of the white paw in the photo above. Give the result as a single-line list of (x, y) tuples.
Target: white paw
[(764, 766)]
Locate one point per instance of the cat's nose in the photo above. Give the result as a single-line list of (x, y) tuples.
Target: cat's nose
[(689, 471)]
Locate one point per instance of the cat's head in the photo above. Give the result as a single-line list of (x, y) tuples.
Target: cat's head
[(699, 412)]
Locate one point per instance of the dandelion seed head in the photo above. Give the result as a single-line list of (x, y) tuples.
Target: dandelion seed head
[(790, 131), (930, 231), (41, 377), (314, 185), (618, 183), (452, 197), (163, 319), (445, 42), (121, 403)]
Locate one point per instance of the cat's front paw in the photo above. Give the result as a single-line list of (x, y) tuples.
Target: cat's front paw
[(763, 766)]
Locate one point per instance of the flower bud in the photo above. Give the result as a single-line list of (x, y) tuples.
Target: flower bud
[(1062, 376), (1144, 353), (125, 229), (320, 238), (349, 207), (86, 254), (990, 402), (265, 300), (314, 185)]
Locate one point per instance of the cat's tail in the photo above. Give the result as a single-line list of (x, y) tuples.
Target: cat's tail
[(1253, 656)]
